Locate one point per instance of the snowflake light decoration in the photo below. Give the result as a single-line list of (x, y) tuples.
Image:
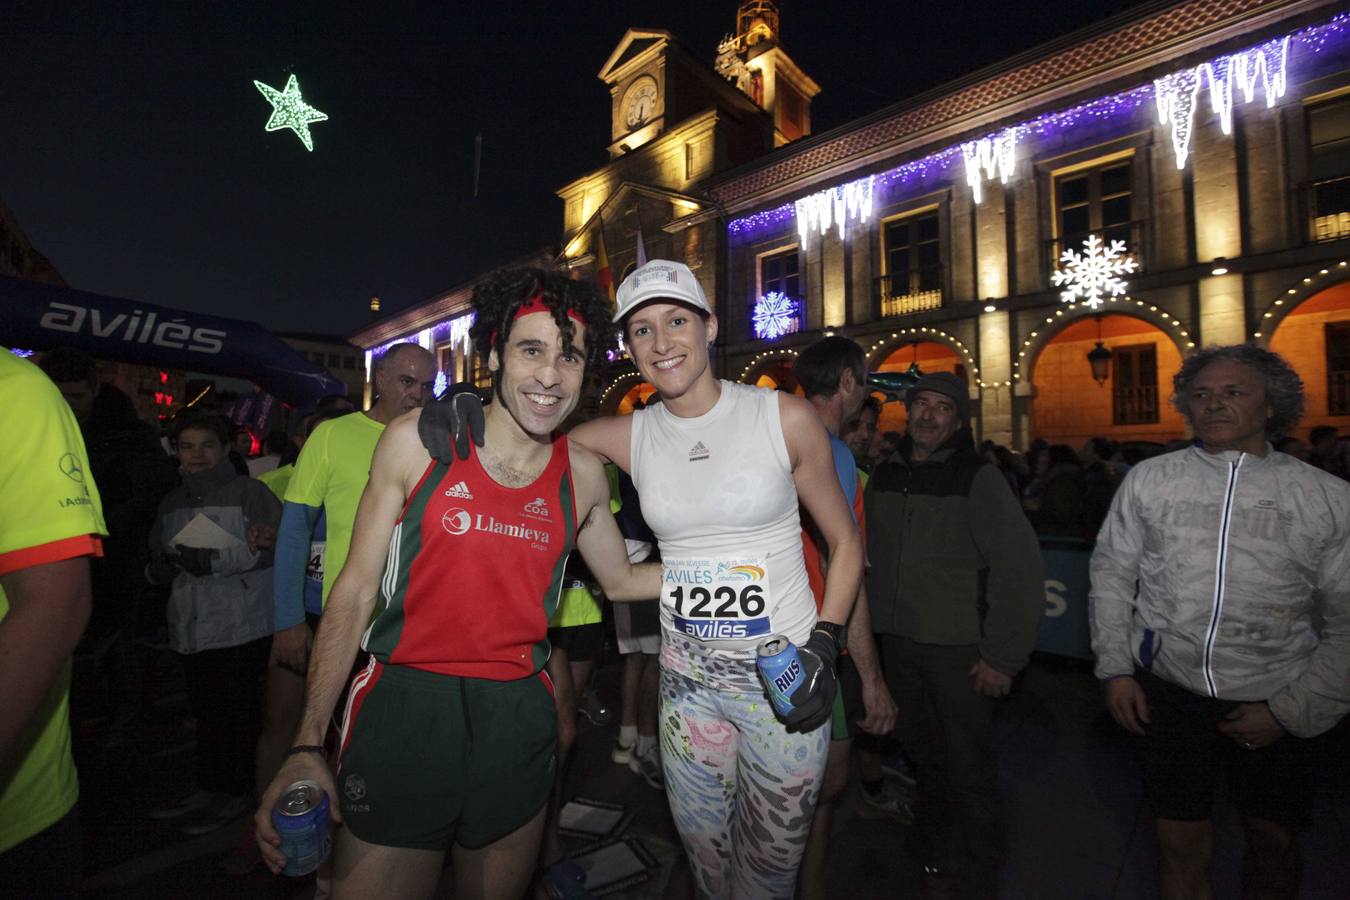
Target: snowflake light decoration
[(775, 316), (442, 382), (1095, 272), (290, 111)]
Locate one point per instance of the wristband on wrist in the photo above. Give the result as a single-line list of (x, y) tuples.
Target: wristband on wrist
[(304, 748), (834, 631)]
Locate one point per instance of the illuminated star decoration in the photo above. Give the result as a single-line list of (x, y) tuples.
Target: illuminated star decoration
[(775, 315), (1094, 271), (289, 111)]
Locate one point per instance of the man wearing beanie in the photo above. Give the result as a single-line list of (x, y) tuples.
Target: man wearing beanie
[(956, 588)]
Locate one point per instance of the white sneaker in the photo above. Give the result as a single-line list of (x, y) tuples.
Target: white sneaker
[(621, 753), (649, 767)]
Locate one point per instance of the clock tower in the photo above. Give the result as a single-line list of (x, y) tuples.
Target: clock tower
[(638, 75), (754, 60)]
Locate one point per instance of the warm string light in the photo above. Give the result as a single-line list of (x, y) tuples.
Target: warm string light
[(290, 111), (1095, 272), (1173, 95), (924, 332), (767, 354), (1265, 326), (775, 315)]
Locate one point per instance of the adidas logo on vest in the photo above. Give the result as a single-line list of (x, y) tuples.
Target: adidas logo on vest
[(697, 452), (460, 490)]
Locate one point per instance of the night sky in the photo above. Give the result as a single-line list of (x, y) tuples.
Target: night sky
[(133, 154)]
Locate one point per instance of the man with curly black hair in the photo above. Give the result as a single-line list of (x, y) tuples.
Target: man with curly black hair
[(449, 735), (1205, 581)]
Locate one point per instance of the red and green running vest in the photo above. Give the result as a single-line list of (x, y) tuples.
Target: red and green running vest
[(475, 570)]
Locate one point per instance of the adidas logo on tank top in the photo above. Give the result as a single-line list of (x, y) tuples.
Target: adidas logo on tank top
[(460, 490), (697, 452)]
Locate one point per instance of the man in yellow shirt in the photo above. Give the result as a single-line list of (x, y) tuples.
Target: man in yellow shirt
[(329, 477), (51, 522)]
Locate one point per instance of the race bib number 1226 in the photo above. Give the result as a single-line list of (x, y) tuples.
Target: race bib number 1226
[(717, 599)]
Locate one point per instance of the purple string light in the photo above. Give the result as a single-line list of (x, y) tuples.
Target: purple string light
[(944, 165)]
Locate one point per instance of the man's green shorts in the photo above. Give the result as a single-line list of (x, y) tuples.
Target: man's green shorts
[(430, 761)]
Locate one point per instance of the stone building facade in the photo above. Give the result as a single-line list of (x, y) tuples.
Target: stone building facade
[(1204, 151), (1192, 161)]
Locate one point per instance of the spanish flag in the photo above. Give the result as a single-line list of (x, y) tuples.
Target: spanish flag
[(604, 277)]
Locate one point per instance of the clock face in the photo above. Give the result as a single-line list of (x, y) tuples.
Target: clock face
[(639, 104)]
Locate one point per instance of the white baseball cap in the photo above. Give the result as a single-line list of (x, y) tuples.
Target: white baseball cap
[(660, 279)]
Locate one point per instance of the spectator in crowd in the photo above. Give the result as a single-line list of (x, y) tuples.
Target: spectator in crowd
[(1099, 480), (1001, 458), (1220, 617), (860, 434), (132, 473), (1063, 510), (888, 443), (275, 445), (1324, 452), (212, 542), (1038, 464), (956, 588), (50, 525), (832, 373), (1293, 447)]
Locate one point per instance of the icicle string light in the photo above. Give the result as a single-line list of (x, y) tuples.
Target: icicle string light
[(1174, 96), (990, 157)]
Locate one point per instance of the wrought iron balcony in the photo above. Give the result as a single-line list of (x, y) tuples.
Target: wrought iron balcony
[(912, 291), (1328, 205), (1136, 405), (1134, 234)]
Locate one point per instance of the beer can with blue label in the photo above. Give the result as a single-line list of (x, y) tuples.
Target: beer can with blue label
[(301, 819), (780, 668)]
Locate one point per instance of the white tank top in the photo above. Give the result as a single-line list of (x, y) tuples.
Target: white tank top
[(718, 493)]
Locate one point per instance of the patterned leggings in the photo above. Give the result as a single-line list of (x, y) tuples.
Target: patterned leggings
[(742, 789)]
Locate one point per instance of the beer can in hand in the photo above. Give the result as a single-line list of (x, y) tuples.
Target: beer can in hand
[(301, 818), (780, 668)]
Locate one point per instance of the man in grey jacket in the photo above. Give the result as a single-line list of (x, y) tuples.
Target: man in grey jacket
[(1234, 649), (956, 589)]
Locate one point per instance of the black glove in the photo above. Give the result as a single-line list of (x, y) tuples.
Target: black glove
[(457, 416), (813, 702), (195, 560)]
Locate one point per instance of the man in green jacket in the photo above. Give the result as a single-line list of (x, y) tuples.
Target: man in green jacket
[(957, 589)]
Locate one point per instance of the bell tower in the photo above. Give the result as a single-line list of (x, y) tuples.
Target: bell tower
[(754, 60)]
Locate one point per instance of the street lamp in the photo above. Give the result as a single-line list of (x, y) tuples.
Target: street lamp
[(1099, 358)]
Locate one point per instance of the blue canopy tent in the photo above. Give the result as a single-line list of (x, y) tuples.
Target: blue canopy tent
[(38, 316)]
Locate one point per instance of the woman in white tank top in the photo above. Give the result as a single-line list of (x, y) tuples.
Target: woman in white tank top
[(721, 468)]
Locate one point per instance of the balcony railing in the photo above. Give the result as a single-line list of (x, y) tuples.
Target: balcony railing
[(1133, 234), (1136, 405), (1328, 209), (910, 292), (1338, 393)]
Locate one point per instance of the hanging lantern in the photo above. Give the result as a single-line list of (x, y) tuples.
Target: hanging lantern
[(1099, 358)]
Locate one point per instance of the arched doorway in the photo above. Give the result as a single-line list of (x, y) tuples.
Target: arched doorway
[(930, 356), (1315, 338), (1132, 405), (779, 374)]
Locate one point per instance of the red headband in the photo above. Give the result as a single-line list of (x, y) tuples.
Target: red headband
[(533, 305)]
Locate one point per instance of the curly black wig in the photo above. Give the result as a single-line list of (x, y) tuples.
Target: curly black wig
[(496, 299)]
